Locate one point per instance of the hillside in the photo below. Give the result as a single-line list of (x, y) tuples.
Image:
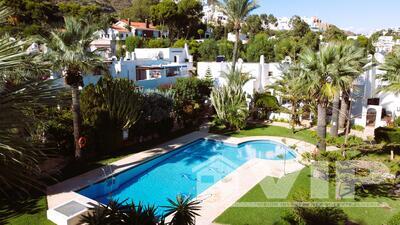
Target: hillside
[(114, 5)]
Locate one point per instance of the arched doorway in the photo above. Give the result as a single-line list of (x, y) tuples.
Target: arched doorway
[(371, 117)]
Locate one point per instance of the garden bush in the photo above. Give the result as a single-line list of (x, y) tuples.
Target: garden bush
[(263, 105), (107, 108), (190, 95), (387, 135), (156, 117), (339, 141)]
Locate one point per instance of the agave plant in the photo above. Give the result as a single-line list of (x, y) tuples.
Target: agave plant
[(183, 209), (229, 101)]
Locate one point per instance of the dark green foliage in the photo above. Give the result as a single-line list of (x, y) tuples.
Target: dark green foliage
[(132, 42), (397, 122), (139, 10), (387, 135), (156, 117), (261, 44), (157, 43), (55, 126), (300, 27), (208, 50), (333, 33), (190, 95), (107, 108), (184, 210), (339, 141), (314, 215), (264, 105), (120, 213)]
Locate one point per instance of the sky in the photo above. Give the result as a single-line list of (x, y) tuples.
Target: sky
[(359, 16)]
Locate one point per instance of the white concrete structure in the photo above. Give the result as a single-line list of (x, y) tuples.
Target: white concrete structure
[(385, 44), (242, 37), (213, 14), (371, 108), (263, 74), (151, 67)]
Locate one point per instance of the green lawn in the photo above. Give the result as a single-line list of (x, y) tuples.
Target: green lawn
[(304, 135), (261, 216)]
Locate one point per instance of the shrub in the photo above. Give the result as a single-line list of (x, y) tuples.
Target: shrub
[(358, 127), (314, 215), (156, 116), (339, 141), (387, 135), (264, 105), (107, 108), (397, 122), (189, 99), (395, 220), (132, 42), (229, 101)]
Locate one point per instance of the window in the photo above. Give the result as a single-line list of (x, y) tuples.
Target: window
[(270, 73), (172, 71), (373, 101)]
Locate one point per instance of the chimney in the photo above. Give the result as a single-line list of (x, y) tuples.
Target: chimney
[(129, 21), (147, 23)]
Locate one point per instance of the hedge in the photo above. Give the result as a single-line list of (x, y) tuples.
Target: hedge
[(387, 135)]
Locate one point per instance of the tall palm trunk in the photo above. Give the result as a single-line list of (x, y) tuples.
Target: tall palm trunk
[(235, 49), (321, 126), (335, 115), (344, 107), (76, 113)]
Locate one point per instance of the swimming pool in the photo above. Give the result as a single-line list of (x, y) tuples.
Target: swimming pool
[(188, 170)]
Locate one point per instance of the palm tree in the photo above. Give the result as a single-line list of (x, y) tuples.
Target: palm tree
[(19, 154), (319, 78), (183, 210), (69, 51), (391, 77), (350, 61), (237, 12), (289, 88)]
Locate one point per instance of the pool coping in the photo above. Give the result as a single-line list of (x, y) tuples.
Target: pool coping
[(64, 191)]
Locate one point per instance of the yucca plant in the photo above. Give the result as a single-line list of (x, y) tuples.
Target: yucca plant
[(183, 209), (229, 101)]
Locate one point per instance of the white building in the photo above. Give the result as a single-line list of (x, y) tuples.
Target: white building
[(263, 74), (385, 44), (151, 67), (213, 14), (119, 32), (242, 37), (369, 108)]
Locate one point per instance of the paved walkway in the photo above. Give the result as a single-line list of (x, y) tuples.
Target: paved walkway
[(215, 199)]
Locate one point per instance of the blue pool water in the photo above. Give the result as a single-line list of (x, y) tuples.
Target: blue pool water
[(188, 170)]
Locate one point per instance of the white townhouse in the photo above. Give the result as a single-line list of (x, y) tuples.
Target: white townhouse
[(370, 108), (150, 67)]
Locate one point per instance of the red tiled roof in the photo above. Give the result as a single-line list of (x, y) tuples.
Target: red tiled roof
[(140, 25), (120, 29)]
